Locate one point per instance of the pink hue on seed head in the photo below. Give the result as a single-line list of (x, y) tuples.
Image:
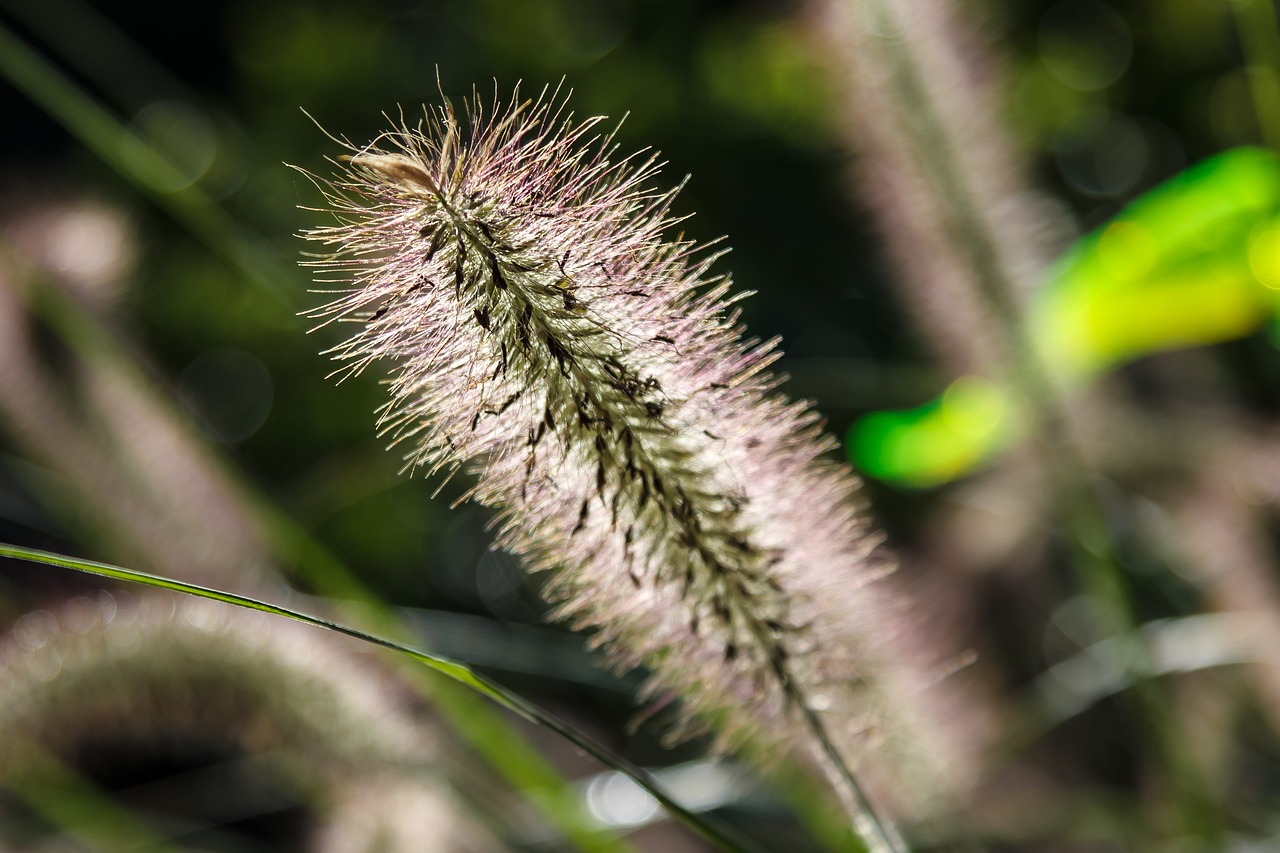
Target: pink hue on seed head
[(590, 371)]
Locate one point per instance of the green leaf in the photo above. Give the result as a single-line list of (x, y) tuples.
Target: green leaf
[(1195, 261)]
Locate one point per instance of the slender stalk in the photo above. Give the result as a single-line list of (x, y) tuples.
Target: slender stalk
[(875, 828)]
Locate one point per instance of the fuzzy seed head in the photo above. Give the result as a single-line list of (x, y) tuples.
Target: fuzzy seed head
[(546, 332)]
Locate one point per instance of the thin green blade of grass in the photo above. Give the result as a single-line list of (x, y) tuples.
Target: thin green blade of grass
[(719, 834)]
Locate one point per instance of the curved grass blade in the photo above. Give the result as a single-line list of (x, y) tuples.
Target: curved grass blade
[(478, 723), (717, 833)]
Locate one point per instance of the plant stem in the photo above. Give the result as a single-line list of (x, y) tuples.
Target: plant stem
[(877, 832)]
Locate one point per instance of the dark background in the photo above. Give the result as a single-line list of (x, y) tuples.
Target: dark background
[(1105, 100)]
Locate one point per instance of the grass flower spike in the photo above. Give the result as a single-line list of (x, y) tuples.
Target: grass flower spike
[(547, 334)]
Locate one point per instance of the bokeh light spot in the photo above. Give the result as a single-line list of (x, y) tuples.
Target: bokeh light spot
[(1084, 44), (973, 406), (184, 135), (1231, 113), (231, 391), (1126, 251), (938, 441), (615, 800), (1107, 159), (1264, 253), (34, 630)]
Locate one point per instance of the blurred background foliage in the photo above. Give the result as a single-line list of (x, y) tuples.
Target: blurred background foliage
[(163, 405)]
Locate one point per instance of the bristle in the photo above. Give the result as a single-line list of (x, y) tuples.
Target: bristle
[(590, 373)]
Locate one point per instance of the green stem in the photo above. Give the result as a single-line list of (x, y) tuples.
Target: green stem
[(877, 832)]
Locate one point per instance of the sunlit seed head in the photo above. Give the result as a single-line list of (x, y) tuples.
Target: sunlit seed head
[(545, 330)]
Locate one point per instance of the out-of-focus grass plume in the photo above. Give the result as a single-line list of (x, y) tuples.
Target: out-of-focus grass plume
[(116, 686)]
